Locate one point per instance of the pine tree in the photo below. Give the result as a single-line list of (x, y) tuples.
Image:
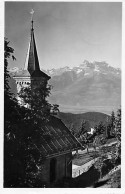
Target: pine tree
[(111, 125), (100, 128), (23, 130), (116, 151), (11, 118), (118, 126), (99, 141), (34, 99), (118, 133)]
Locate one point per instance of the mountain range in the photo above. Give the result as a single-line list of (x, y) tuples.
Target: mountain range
[(90, 86)]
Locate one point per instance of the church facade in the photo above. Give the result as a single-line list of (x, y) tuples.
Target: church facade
[(57, 143)]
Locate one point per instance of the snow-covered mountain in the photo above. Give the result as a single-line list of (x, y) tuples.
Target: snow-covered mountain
[(86, 68), (87, 87)]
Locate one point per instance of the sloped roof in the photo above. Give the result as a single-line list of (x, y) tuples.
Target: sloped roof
[(33, 62), (56, 139), (32, 68), (39, 73), (36, 73)]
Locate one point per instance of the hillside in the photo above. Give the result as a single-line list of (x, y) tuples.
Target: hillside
[(75, 120)]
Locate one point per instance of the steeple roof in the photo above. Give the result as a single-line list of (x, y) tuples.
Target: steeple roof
[(32, 68), (32, 62)]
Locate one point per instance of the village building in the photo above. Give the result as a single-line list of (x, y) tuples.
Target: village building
[(57, 143)]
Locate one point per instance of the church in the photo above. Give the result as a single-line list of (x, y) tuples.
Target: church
[(57, 142)]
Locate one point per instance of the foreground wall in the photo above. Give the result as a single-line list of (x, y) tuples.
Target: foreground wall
[(55, 169)]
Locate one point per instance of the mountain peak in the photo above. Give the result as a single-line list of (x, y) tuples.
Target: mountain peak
[(85, 68)]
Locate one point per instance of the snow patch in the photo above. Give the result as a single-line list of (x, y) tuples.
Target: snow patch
[(96, 68), (78, 71), (86, 74)]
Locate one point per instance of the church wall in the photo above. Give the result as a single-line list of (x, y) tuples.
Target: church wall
[(22, 82)]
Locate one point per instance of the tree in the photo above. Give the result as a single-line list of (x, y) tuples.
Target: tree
[(100, 128), (38, 109), (11, 118), (102, 153), (37, 112), (82, 129), (87, 143), (99, 164), (9, 100), (22, 131), (116, 152), (118, 126), (111, 125), (112, 122)]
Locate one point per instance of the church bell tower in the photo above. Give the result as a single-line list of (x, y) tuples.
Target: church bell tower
[(31, 73)]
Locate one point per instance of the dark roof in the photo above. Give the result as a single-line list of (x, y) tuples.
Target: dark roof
[(36, 73), (56, 139), (33, 62), (32, 68), (39, 73)]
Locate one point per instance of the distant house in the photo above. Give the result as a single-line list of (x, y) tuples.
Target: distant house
[(91, 132), (57, 143)]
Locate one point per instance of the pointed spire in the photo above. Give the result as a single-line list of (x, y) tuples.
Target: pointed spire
[(32, 12), (32, 62)]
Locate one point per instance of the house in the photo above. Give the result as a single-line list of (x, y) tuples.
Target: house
[(56, 143)]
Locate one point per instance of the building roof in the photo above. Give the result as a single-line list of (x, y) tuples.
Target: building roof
[(33, 62), (36, 73), (32, 68), (39, 73), (56, 139)]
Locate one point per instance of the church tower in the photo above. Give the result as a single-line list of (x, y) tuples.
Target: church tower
[(31, 72)]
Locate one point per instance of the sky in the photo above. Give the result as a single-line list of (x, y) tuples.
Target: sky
[(66, 33)]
